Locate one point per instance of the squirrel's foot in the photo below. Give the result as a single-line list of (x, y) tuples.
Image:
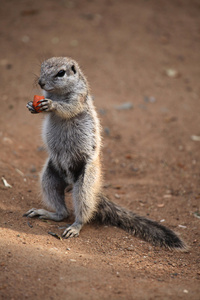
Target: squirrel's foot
[(45, 105), (72, 230), (44, 214)]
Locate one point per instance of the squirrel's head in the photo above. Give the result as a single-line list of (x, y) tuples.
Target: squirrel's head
[(60, 75)]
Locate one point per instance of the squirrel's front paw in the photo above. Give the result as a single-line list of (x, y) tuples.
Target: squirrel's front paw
[(31, 108), (45, 105)]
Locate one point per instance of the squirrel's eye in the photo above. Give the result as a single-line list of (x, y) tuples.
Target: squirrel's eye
[(61, 73)]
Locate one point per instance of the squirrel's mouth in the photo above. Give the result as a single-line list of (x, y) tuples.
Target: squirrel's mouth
[(48, 90)]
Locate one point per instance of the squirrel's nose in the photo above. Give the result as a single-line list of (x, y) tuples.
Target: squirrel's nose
[(42, 84)]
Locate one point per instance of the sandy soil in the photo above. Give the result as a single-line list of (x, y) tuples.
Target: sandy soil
[(145, 52)]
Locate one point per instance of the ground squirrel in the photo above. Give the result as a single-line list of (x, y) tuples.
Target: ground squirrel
[(71, 132)]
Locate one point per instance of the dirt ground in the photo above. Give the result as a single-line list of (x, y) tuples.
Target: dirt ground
[(144, 52)]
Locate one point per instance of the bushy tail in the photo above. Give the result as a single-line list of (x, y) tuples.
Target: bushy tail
[(110, 213)]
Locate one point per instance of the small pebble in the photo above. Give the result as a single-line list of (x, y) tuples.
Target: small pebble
[(172, 73), (182, 226), (107, 131), (102, 111), (124, 106), (195, 138), (167, 196), (7, 140), (25, 39), (197, 214), (33, 169), (149, 99), (130, 248), (152, 100), (160, 204), (55, 40), (74, 43)]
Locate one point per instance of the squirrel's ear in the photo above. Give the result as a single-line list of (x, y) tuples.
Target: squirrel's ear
[(73, 68)]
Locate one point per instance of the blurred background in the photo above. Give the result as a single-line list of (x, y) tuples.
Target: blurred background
[(123, 46)]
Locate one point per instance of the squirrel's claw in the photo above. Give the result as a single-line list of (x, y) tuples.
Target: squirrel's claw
[(72, 231)]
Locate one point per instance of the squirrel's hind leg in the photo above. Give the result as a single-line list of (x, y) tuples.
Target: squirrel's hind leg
[(85, 190), (53, 189)]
